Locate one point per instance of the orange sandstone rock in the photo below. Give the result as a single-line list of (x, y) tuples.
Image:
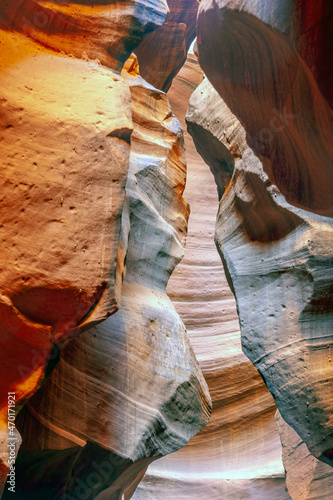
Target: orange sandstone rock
[(306, 477), (130, 389), (106, 30), (65, 126)]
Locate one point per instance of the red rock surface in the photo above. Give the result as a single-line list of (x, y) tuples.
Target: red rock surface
[(313, 35), (265, 82), (162, 53)]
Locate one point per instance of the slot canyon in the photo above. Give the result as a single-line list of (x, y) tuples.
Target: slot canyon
[(166, 268)]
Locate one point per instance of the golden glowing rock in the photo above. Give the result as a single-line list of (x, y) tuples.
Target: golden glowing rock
[(131, 386), (106, 30), (65, 127)]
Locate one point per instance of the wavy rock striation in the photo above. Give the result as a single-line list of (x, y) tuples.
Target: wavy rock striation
[(65, 129), (278, 261), (238, 454), (313, 37), (245, 52), (105, 30), (128, 390)]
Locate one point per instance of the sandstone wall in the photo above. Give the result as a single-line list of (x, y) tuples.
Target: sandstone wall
[(238, 454)]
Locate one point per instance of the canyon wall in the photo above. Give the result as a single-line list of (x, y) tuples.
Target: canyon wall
[(105, 378), (251, 211), (238, 454), (274, 229), (163, 52), (307, 478), (140, 351), (96, 163), (206, 468)]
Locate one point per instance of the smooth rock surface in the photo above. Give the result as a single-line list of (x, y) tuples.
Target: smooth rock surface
[(247, 55), (61, 262), (278, 260), (238, 454), (130, 388), (307, 478), (65, 129), (209, 135), (103, 30), (163, 52)]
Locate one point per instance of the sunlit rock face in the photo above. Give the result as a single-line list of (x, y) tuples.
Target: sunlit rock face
[(307, 478), (106, 30), (238, 454), (130, 389), (278, 259), (249, 52), (65, 129), (163, 52)]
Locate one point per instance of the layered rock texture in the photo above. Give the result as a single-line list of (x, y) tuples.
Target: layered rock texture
[(66, 122), (163, 52), (238, 454), (105, 30), (112, 429), (93, 223), (278, 257)]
